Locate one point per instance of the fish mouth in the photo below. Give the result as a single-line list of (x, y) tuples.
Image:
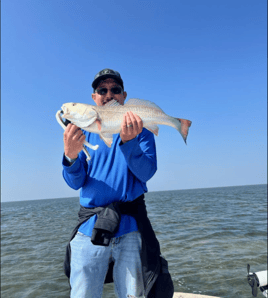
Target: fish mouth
[(64, 109)]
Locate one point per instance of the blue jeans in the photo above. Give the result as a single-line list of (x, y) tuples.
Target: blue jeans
[(89, 265)]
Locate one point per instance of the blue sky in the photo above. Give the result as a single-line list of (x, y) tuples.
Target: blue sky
[(200, 60)]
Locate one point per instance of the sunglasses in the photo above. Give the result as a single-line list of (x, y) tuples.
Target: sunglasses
[(114, 90)]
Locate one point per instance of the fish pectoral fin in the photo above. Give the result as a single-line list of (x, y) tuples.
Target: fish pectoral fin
[(98, 122), (152, 128), (107, 138), (83, 122)]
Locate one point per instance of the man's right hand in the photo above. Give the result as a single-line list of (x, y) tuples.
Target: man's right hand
[(73, 139)]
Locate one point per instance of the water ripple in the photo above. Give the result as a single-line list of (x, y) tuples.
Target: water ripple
[(208, 237)]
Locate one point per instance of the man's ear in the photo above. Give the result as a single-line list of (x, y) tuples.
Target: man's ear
[(93, 95), (125, 95)]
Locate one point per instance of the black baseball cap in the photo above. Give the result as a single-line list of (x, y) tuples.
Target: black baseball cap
[(107, 73)]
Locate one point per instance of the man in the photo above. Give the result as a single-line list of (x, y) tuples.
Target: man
[(116, 174)]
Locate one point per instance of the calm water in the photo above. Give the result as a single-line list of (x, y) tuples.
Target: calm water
[(208, 237)]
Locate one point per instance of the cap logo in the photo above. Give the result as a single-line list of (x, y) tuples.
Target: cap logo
[(106, 72)]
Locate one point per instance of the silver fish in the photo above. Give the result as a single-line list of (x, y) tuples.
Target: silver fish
[(106, 120)]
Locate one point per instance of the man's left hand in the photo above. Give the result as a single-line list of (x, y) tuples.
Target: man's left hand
[(132, 125)]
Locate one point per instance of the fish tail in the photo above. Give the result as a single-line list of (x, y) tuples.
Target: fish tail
[(182, 126)]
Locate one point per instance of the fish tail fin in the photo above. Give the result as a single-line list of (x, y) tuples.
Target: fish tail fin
[(182, 126)]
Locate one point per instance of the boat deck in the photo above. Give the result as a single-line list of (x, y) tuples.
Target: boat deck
[(186, 295)]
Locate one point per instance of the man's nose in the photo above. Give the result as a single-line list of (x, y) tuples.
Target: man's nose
[(109, 94)]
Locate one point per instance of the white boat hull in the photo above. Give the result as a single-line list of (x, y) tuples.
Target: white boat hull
[(187, 295)]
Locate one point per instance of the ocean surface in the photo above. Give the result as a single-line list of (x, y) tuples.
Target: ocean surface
[(208, 237)]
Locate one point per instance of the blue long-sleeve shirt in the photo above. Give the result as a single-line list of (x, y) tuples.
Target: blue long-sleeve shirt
[(114, 174)]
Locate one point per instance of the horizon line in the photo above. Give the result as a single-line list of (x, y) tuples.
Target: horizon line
[(147, 192)]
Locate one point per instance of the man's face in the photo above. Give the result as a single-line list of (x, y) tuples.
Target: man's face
[(101, 100)]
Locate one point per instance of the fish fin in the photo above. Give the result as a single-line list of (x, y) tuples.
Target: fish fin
[(184, 127), (142, 102), (153, 128), (98, 124), (112, 103), (107, 138)]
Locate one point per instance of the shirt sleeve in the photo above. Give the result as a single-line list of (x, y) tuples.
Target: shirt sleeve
[(76, 173), (140, 155)]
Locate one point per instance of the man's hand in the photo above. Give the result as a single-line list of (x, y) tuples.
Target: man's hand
[(73, 139), (132, 125)]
